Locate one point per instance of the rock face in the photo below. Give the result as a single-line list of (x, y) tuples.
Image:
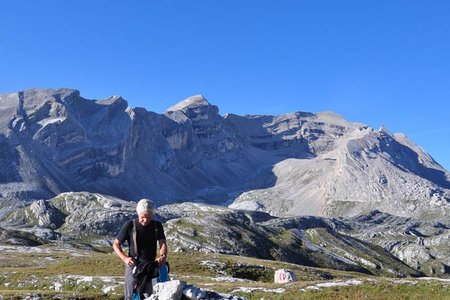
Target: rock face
[(54, 141), (421, 245), (73, 216)]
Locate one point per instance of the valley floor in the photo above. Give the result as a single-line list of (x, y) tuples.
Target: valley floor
[(70, 272)]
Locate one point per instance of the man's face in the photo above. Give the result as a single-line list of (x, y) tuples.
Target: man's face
[(145, 218)]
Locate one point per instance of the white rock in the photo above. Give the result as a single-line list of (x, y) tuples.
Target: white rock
[(169, 290), (284, 276), (58, 286), (194, 293)]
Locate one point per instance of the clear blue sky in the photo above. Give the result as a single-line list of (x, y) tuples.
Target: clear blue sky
[(372, 61)]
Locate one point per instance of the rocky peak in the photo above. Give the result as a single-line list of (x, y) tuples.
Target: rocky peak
[(385, 131), (110, 100), (50, 94), (195, 108), (191, 102)]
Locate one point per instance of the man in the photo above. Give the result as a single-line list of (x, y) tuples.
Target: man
[(143, 234)]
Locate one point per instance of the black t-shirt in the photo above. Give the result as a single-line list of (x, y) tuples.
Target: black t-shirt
[(147, 237)]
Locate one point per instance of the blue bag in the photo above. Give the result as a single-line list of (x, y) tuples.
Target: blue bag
[(163, 273), (136, 296)]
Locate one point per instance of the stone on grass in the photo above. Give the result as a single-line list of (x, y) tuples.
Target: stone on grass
[(194, 293), (284, 276), (169, 290)]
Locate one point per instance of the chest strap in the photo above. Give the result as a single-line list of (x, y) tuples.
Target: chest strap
[(134, 237)]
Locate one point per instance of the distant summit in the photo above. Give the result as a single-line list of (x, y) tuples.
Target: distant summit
[(54, 141), (193, 102), (194, 108)]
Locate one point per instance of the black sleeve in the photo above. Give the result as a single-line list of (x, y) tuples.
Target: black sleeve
[(124, 234), (161, 235)]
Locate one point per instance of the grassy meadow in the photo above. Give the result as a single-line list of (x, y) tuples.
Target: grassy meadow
[(73, 273)]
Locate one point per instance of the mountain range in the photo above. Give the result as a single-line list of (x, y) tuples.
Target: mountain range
[(300, 163), (306, 188)]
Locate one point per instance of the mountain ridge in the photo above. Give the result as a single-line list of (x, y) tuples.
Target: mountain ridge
[(297, 163), (93, 220)]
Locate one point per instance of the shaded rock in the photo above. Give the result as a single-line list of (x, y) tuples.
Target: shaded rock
[(194, 293)]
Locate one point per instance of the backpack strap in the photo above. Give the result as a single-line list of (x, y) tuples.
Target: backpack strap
[(156, 230), (134, 238)]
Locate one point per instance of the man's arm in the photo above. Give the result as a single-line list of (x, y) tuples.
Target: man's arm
[(162, 252), (117, 246)]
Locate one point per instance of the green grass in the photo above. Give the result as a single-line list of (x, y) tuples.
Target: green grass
[(197, 230), (284, 237), (379, 291), (19, 295), (23, 274)]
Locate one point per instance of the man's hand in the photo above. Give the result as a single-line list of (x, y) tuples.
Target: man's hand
[(129, 261), (161, 260), (117, 246)]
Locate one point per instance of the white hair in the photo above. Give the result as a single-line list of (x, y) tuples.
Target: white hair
[(144, 206)]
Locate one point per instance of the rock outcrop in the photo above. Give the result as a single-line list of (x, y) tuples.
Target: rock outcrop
[(311, 241)]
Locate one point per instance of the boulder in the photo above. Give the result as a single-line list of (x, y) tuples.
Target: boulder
[(169, 290), (194, 293), (284, 276)]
